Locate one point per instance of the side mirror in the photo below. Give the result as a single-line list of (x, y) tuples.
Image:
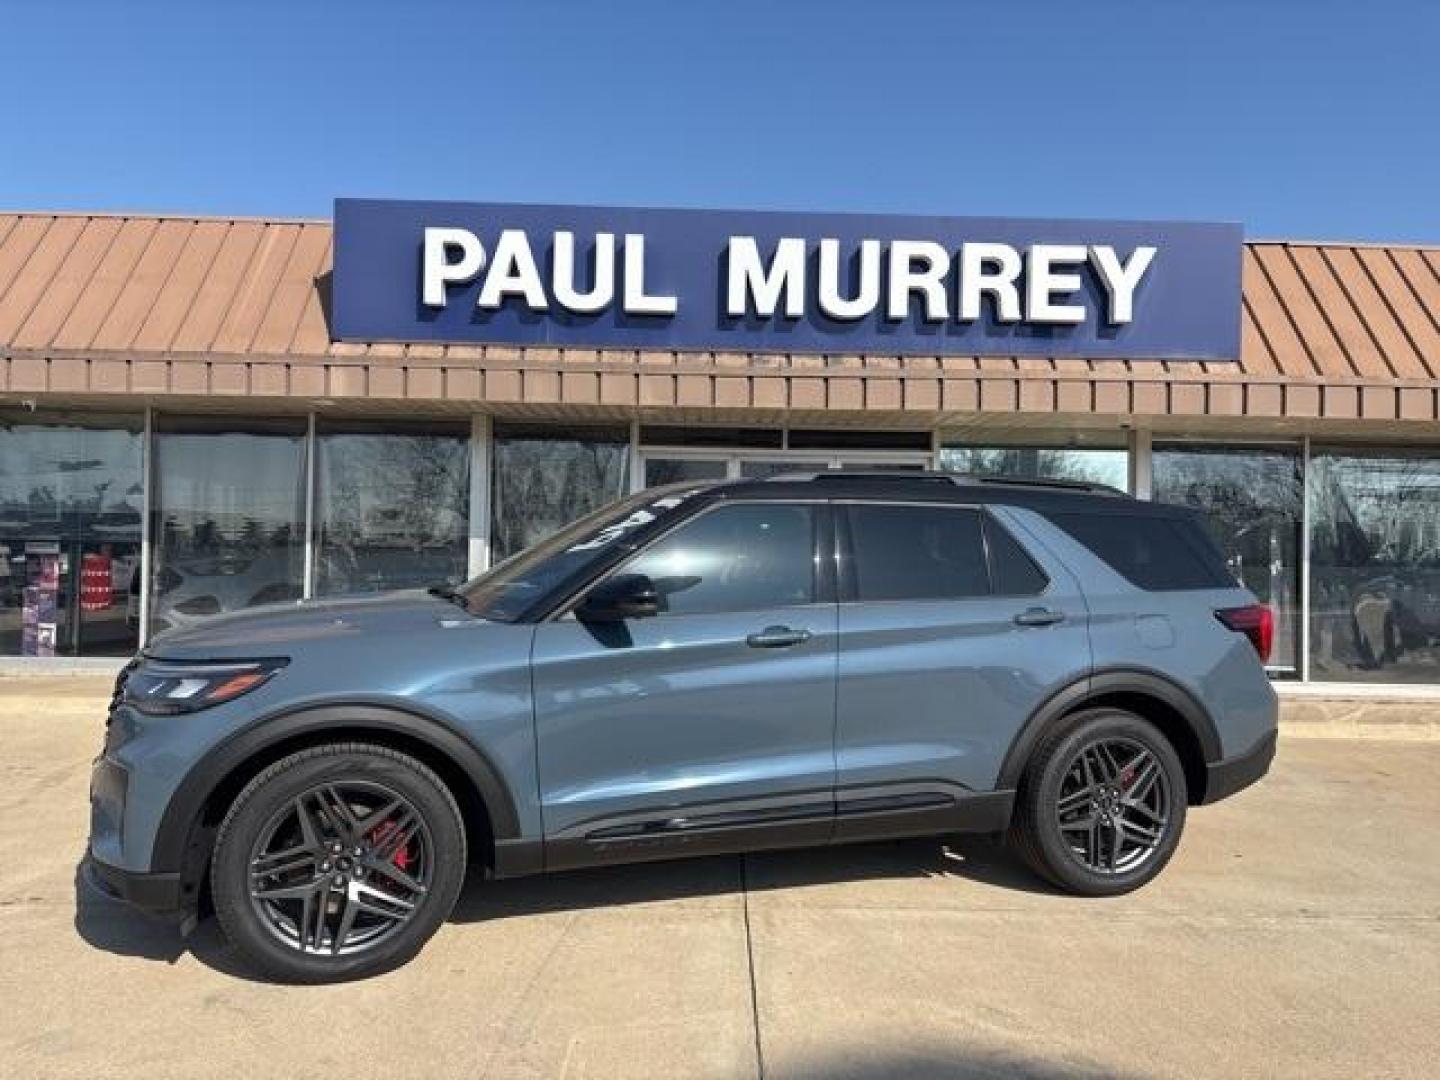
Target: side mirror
[(625, 596)]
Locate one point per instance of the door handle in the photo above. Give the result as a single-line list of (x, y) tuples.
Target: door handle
[(777, 637), (1039, 616)]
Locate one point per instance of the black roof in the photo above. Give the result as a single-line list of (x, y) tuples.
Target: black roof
[(928, 486)]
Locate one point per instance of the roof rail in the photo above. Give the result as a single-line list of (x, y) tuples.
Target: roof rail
[(940, 477), (1032, 481), (862, 474)]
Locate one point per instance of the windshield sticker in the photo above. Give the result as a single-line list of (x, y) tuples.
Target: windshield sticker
[(643, 516)]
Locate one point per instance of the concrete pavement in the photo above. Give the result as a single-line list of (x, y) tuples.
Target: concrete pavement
[(1297, 933)]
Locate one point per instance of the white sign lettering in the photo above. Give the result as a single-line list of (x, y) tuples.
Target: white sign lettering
[(1043, 285)]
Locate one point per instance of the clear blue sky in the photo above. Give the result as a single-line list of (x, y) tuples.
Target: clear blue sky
[(1300, 118)]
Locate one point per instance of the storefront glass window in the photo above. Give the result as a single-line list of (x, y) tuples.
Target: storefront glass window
[(545, 478), (760, 468), (1375, 567), (70, 521), (670, 470), (229, 516), (392, 506), (1093, 466), (1254, 499)]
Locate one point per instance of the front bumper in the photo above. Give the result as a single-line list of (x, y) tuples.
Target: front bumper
[(1225, 778), (156, 891), (159, 894)]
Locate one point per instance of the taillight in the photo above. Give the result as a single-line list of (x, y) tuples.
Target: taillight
[(1256, 622)]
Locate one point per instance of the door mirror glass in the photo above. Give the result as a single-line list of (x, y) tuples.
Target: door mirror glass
[(624, 596)]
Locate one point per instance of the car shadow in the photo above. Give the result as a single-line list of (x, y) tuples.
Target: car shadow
[(113, 926), (978, 859), (957, 1060)]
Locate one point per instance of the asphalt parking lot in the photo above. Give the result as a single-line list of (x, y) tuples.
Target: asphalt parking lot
[(1297, 933)]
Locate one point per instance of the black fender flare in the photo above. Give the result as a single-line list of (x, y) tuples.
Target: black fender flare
[(183, 813), (1099, 684)]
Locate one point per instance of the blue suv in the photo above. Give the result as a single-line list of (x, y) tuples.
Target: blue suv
[(808, 659)]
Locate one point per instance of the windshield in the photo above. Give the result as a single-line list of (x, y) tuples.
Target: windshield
[(504, 592)]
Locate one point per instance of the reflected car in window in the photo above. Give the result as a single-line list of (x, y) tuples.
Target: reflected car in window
[(189, 590)]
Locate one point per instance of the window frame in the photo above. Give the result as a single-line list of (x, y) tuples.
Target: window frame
[(823, 557), (848, 588)]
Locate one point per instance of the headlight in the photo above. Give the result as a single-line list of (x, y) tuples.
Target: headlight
[(161, 688)]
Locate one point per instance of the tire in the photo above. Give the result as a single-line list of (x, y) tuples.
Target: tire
[(1074, 847), (395, 875)]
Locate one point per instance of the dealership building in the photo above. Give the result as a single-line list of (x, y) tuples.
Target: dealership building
[(203, 414)]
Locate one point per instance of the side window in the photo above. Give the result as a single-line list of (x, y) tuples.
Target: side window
[(1152, 551), (744, 557), (917, 552), (1012, 571)]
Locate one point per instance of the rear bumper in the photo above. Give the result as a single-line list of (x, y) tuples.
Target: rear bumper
[(1225, 778), (159, 894)]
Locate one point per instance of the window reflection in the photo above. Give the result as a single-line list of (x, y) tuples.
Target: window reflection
[(70, 509), (917, 553), (735, 558), (666, 470), (1375, 566), (1097, 466), (546, 477), (392, 507), (229, 517), (1253, 498), (759, 469)]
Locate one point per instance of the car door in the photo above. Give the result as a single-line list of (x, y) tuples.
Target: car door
[(709, 726), (950, 634)]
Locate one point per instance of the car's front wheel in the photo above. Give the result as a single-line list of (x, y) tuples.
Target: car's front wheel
[(1102, 804), (336, 862)]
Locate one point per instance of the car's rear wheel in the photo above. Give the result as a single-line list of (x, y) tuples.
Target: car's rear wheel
[(336, 862), (1102, 804)]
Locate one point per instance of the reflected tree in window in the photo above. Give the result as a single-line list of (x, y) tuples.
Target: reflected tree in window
[(230, 505), (542, 483), (1097, 466), (1252, 499), (1375, 564), (393, 510)]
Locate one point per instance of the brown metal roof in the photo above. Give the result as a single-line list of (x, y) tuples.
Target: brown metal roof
[(105, 304)]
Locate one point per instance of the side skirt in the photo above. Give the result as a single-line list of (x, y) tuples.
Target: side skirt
[(859, 815)]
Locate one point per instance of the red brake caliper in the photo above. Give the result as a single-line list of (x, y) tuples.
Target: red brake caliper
[(1126, 778), (382, 833)]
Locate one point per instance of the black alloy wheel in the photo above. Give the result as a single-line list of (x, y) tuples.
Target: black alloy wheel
[(1114, 805), (337, 862), (341, 867), (1102, 804)]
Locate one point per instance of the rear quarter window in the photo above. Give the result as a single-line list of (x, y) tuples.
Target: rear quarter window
[(1154, 552), (1012, 571)]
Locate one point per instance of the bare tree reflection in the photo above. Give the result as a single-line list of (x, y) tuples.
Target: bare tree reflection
[(542, 483)]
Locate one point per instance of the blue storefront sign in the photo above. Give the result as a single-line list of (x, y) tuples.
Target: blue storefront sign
[(607, 277)]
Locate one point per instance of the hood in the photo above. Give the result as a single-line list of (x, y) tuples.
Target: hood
[(271, 630)]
